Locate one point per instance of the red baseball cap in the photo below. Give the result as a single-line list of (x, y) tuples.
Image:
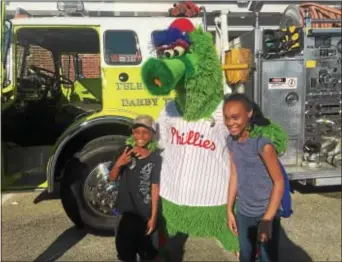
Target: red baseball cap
[(183, 24)]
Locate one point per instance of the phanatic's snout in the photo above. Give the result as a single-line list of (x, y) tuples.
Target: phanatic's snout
[(160, 76)]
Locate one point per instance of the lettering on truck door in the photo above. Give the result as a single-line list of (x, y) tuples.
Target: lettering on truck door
[(123, 55)]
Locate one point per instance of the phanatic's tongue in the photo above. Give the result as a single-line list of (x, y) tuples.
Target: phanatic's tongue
[(157, 82)]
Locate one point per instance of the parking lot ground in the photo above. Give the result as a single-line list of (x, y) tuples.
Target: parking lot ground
[(34, 230)]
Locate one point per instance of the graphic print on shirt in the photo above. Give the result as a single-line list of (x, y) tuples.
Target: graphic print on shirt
[(145, 182), (191, 138), (133, 163)]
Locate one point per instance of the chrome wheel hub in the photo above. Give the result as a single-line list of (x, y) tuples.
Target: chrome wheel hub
[(99, 194)]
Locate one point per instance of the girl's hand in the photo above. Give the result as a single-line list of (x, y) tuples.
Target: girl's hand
[(125, 158), (141, 153), (265, 230), (232, 223), (151, 224)]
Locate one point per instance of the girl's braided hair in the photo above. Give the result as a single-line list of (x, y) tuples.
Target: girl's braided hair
[(257, 116)]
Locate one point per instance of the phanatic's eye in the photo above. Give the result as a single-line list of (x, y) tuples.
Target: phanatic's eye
[(169, 53), (179, 51)]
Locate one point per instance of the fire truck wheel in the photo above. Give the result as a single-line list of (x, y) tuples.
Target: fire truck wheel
[(69, 202), (87, 197)]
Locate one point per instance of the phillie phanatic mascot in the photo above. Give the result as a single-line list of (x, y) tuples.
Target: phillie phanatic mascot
[(192, 134)]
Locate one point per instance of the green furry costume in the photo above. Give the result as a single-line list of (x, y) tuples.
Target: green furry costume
[(192, 132)]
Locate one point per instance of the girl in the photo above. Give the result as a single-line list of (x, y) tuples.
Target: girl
[(256, 179)]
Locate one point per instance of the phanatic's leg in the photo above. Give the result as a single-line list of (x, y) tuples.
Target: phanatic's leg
[(200, 222)]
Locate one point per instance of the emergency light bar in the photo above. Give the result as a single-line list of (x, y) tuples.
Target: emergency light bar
[(70, 6)]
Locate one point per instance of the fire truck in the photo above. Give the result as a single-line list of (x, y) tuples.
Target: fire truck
[(70, 86)]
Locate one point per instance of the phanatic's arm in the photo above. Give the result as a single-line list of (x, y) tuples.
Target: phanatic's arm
[(162, 129), (275, 133)]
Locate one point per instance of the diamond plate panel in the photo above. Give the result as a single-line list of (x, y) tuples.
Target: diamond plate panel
[(290, 157), (273, 101)]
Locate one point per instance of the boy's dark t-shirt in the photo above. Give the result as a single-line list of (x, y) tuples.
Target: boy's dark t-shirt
[(136, 179)]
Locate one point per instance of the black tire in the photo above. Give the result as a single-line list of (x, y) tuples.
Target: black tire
[(69, 202), (99, 150)]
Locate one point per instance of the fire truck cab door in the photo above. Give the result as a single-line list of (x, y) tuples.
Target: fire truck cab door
[(2, 36)]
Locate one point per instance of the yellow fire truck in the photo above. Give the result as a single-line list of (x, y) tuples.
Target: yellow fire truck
[(70, 79)]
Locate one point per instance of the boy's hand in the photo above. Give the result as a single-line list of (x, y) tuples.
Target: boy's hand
[(151, 224), (125, 158), (141, 153), (232, 223)]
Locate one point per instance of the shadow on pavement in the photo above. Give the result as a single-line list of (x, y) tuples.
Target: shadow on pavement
[(176, 246), (289, 251), (62, 244), (44, 195), (327, 191)]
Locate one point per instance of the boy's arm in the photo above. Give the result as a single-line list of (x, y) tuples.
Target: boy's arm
[(152, 222), (155, 180), (116, 169), (155, 200), (114, 173)]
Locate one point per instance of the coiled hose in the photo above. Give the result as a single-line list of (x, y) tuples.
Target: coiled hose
[(321, 12)]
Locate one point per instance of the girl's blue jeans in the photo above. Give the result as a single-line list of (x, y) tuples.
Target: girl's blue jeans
[(248, 240)]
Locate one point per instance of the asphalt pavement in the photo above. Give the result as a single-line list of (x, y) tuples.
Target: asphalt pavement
[(37, 229)]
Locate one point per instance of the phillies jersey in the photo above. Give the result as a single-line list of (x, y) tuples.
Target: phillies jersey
[(195, 167)]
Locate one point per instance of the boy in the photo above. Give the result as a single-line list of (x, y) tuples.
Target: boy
[(138, 197)]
